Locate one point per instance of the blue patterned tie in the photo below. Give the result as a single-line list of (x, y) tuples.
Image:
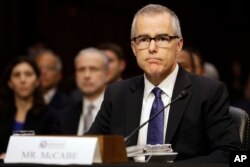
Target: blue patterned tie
[(156, 125)]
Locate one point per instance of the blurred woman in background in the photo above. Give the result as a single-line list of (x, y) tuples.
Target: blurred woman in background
[(21, 103)]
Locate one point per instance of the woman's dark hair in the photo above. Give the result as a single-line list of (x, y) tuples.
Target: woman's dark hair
[(7, 101)]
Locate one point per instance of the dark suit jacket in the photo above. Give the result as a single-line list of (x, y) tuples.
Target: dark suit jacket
[(199, 126), (66, 122), (58, 102), (40, 122)]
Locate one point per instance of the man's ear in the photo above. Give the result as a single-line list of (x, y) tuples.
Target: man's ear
[(59, 77), (133, 47), (122, 65), (179, 46), (106, 79)]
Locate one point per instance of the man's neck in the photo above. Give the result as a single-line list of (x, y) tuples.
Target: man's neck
[(94, 96), (157, 79)]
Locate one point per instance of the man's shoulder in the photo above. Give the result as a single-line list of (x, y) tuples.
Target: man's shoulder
[(73, 109), (61, 95), (76, 96), (203, 82), (204, 79)]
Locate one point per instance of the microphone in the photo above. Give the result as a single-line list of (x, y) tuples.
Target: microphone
[(181, 95)]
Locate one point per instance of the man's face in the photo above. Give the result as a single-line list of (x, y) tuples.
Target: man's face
[(116, 66), (91, 75), (50, 75), (199, 70), (23, 80), (155, 61), (185, 61)]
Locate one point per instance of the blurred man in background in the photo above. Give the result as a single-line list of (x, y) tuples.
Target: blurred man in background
[(117, 63), (50, 66), (185, 60), (91, 67)]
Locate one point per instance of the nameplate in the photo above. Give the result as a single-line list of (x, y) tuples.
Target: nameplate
[(53, 150)]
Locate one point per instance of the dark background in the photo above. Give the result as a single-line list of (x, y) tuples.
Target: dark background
[(219, 29)]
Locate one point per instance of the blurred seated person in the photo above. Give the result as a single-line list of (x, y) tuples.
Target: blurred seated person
[(203, 67), (91, 67), (191, 60), (211, 71), (21, 103), (117, 63), (185, 60), (50, 66), (244, 101), (198, 60), (36, 47)]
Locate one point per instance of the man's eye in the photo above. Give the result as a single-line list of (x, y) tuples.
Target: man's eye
[(165, 38), (143, 39)]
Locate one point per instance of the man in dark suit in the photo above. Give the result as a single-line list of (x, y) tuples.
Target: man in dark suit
[(91, 67), (198, 126), (117, 62), (50, 66)]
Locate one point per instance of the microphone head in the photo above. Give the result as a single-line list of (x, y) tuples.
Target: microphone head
[(183, 94)]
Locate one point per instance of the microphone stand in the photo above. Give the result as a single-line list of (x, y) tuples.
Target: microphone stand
[(180, 96)]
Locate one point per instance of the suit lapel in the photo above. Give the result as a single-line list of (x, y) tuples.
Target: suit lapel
[(134, 107), (74, 118), (178, 108)]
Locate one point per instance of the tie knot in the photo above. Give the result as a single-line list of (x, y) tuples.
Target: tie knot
[(90, 107), (157, 92)]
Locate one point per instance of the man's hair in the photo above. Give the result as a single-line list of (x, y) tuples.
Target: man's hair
[(59, 64), (155, 9), (114, 48), (92, 50)]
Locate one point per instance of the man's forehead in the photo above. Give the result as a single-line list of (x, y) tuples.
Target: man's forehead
[(154, 24), (164, 15)]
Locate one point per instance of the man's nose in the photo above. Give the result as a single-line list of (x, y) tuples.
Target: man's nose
[(152, 45), (87, 73)]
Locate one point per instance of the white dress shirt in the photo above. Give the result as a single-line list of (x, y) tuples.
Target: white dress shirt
[(49, 95), (97, 105), (167, 86)]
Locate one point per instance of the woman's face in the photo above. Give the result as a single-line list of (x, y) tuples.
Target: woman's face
[(23, 80)]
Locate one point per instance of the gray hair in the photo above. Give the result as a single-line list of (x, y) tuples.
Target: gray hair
[(154, 9), (59, 64), (92, 50)]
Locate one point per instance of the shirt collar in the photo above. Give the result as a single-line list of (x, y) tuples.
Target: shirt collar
[(96, 103), (167, 85), (49, 95)]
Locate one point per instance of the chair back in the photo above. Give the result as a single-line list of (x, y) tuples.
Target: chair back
[(242, 121)]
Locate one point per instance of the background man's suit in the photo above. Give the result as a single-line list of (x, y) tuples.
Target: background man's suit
[(68, 119), (198, 125), (58, 102)]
